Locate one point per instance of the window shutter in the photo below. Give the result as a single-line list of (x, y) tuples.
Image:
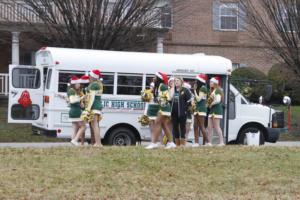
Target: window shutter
[(242, 18), (216, 15)]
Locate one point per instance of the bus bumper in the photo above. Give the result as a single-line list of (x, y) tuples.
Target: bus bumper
[(42, 131), (272, 135)]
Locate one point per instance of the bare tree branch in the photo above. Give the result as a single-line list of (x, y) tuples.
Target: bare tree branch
[(92, 24), (277, 24)]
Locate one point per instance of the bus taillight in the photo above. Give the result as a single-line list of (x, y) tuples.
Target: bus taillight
[(46, 99)]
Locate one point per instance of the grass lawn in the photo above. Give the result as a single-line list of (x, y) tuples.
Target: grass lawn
[(230, 172)]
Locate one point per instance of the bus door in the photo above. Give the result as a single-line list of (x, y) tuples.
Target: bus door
[(25, 94)]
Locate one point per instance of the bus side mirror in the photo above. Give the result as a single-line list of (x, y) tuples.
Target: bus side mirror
[(287, 101)]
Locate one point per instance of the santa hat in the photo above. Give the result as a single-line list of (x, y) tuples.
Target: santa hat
[(85, 79), (75, 80), (162, 76), (187, 85), (219, 79), (171, 79), (214, 80), (202, 78), (95, 74)]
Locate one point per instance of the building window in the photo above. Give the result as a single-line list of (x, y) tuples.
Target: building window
[(287, 17), (166, 17), (235, 66), (229, 16)]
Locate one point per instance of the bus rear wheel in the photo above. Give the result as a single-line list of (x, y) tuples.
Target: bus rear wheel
[(121, 137), (242, 139)]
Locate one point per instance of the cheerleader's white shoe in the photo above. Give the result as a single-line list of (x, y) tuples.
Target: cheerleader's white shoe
[(170, 145), (208, 144), (195, 145), (152, 146), (75, 143), (221, 145)]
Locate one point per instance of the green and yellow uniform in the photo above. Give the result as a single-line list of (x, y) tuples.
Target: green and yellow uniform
[(200, 100), (163, 99), (75, 109), (95, 90), (216, 109)]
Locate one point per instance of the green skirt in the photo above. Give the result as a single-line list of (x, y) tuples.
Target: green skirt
[(152, 110), (75, 112), (216, 111)]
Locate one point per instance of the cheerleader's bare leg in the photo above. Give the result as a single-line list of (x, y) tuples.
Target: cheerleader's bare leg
[(96, 130), (75, 127), (217, 127), (210, 129), (201, 120)]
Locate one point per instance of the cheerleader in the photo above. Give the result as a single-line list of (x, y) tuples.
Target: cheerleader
[(216, 111), (75, 110), (162, 122), (85, 81), (200, 109), (151, 108), (93, 110)]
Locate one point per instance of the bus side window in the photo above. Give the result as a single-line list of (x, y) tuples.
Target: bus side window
[(129, 84), (48, 81), (108, 83), (231, 105), (149, 80), (64, 78)]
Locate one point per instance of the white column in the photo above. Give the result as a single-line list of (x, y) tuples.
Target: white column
[(15, 49), (160, 45)]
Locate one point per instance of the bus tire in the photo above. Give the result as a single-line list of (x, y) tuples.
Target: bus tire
[(242, 135), (121, 137)]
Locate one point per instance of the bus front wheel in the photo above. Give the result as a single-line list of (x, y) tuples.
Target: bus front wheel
[(121, 137)]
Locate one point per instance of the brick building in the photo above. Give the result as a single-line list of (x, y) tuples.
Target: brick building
[(216, 27)]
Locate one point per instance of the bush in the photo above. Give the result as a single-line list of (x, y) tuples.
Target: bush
[(249, 73), (285, 82), (251, 82)]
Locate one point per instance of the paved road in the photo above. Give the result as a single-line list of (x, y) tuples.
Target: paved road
[(66, 144)]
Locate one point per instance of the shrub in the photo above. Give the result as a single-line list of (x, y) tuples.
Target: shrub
[(285, 82), (251, 82)]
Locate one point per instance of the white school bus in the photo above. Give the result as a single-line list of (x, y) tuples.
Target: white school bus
[(125, 75)]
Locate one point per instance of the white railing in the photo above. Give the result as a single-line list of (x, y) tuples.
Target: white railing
[(4, 84)]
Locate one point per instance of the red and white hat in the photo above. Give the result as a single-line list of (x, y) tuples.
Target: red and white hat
[(187, 85), (214, 80), (85, 79), (171, 79), (163, 77), (75, 80), (95, 74), (202, 78)]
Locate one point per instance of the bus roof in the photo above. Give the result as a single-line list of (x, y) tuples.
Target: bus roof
[(132, 62)]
